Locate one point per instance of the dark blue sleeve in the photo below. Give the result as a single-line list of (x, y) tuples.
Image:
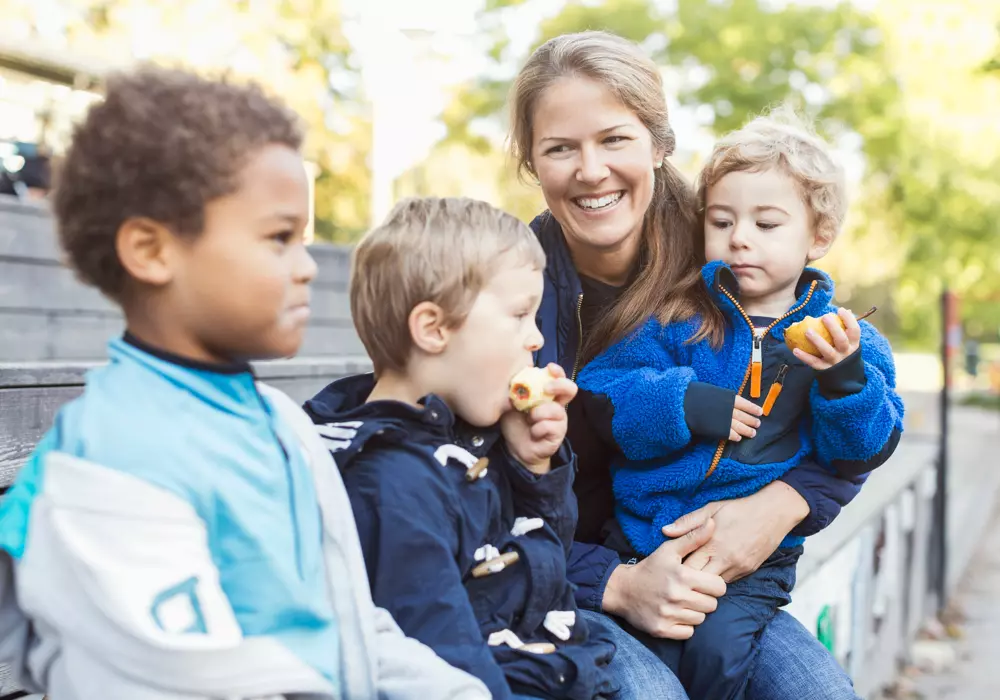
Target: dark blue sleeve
[(824, 491), (588, 569), (547, 496), (409, 537), (856, 411), (646, 389)]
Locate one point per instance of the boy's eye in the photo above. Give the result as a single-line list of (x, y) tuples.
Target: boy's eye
[(521, 315), (721, 223), (766, 225), (283, 237)]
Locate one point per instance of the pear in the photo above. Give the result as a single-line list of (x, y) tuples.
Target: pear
[(527, 388), (795, 334)]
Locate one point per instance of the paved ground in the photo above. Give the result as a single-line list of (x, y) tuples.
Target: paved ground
[(976, 673)]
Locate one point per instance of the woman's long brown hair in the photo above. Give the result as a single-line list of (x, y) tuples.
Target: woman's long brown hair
[(667, 282)]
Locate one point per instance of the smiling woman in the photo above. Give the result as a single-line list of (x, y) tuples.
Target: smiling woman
[(623, 242)]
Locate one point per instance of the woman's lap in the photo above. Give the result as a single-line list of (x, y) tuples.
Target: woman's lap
[(791, 664), (635, 668)]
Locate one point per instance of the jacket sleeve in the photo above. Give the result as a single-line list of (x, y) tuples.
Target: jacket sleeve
[(588, 569), (409, 537), (117, 572), (857, 414), (826, 493), (399, 655), (546, 496), (641, 400)]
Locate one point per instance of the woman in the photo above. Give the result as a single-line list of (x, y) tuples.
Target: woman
[(589, 123)]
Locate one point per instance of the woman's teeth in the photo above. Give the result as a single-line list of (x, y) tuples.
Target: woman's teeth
[(598, 202)]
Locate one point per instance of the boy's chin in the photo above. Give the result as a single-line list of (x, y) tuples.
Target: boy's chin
[(281, 351), (482, 416)]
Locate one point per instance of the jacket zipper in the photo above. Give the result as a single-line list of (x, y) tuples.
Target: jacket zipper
[(755, 357), (290, 478), (579, 345), (775, 391)]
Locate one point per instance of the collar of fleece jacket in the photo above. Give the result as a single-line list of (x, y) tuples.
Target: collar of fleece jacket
[(719, 278)]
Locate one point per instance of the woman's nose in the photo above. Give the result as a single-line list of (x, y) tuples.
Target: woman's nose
[(592, 168)]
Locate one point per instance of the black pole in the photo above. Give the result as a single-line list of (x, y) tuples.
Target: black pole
[(941, 493)]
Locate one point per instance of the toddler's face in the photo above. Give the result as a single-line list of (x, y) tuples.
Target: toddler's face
[(759, 224), (242, 286), (496, 340)]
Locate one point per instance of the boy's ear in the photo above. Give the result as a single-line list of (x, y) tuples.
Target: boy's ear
[(822, 241), (144, 249), (428, 328)]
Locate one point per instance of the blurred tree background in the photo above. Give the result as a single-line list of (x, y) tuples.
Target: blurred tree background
[(297, 48), (906, 89)]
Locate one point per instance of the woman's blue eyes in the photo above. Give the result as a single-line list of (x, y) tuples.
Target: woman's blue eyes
[(611, 140)]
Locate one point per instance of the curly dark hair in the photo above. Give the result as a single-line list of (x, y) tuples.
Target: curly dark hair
[(161, 145)]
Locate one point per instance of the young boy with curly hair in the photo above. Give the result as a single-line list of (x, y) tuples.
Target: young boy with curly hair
[(718, 406), (181, 532)]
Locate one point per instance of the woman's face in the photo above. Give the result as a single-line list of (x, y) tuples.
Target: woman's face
[(594, 160)]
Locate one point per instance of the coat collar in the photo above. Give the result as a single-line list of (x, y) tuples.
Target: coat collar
[(342, 406), (814, 294)]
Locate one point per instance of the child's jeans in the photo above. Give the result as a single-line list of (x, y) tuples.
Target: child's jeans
[(716, 663)]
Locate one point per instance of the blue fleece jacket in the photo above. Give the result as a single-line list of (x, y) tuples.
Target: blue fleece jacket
[(671, 405), (590, 564)]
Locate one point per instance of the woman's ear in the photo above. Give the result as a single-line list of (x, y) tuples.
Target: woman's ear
[(145, 249), (428, 328)]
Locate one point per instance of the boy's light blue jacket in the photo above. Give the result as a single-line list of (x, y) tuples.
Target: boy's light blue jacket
[(181, 532), (667, 404)]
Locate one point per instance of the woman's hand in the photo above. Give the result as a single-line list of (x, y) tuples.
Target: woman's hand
[(747, 530), (660, 595)]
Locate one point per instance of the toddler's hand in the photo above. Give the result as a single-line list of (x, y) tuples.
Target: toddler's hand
[(534, 437), (745, 420), (846, 341)]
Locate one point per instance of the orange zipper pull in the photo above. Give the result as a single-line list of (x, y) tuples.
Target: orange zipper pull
[(775, 391), (756, 362)]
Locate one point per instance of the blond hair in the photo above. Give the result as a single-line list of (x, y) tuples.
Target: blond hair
[(668, 283), (784, 140), (442, 250)]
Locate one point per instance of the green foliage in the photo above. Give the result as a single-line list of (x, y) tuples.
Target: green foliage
[(920, 195), (296, 48)]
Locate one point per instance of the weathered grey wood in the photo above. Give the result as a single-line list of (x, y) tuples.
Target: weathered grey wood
[(40, 374), (32, 392), (49, 335), (25, 415), (26, 230), (46, 314), (33, 286)]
